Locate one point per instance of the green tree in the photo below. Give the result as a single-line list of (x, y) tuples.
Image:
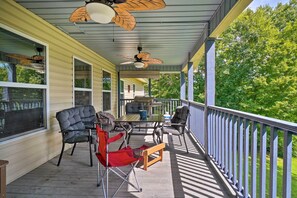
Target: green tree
[(167, 86), (257, 64)]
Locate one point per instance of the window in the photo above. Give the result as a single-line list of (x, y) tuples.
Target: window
[(23, 87), (82, 83), (106, 91)]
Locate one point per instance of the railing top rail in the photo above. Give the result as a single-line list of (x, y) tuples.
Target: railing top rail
[(164, 99), (196, 103), (183, 100), (280, 124), (201, 105), (173, 99), (126, 99)]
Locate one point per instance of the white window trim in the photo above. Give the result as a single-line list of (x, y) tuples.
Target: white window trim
[(73, 80), (107, 91), (33, 86)]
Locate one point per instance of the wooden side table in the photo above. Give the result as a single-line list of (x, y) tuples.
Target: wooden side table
[(147, 152), (3, 164)]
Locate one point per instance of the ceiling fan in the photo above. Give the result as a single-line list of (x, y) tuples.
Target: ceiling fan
[(105, 11), (142, 59), (35, 61)]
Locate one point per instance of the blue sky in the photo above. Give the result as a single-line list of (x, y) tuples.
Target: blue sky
[(272, 3)]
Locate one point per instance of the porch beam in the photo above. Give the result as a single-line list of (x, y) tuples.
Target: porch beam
[(209, 85), (160, 68), (228, 11)]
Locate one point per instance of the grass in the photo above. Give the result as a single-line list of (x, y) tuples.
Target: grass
[(279, 177)]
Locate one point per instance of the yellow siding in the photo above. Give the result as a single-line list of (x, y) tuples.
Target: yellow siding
[(139, 91), (28, 152)]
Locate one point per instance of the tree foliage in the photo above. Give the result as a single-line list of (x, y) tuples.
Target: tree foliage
[(256, 65), (167, 86)]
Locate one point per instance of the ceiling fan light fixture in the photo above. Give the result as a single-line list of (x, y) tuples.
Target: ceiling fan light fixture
[(139, 65), (100, 12)]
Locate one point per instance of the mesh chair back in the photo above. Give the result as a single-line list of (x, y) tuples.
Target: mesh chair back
[(181, 115)]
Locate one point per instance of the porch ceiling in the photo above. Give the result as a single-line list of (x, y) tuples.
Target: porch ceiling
[(170, 34)]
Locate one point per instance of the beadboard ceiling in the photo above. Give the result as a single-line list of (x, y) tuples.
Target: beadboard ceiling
[(169, 34)]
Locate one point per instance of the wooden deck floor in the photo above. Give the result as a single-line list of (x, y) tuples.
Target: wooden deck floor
[(179, 175)]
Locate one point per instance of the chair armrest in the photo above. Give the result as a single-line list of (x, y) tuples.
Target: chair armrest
[(177, 124), (73, 130), (174, 124), (115, 138)]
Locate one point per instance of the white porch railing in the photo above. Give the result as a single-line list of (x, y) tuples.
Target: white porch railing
[(234, 147), (168, 105)]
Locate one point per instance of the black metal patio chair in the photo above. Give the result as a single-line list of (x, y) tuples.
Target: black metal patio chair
[(177, 124), (77, 125)]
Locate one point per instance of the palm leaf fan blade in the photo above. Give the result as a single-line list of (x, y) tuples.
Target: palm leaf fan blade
[(145, 65), (124, 19), (154, 61), (143, 55), (126, 63), (139, 5), (18, 56), (80, 15)]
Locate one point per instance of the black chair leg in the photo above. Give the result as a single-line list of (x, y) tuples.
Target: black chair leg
[(180, 140), (62, 151), (91, 158), (186, 143), (129, 135), (95, 148), (73, 148)]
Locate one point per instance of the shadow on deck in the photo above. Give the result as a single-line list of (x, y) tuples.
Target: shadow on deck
[(179, 175)]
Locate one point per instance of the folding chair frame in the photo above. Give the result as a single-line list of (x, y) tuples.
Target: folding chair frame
[(101, 175), (117, 171)]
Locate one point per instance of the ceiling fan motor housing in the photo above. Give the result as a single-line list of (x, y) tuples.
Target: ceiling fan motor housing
[(139, 49), (137, 59), (107, 2)]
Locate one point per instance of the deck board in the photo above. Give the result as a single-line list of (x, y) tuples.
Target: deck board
[(178, 175)]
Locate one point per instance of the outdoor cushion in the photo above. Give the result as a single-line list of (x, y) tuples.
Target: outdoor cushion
[(70, 122), (88, 115)]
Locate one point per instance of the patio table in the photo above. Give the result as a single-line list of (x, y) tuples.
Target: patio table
[(152, 122)]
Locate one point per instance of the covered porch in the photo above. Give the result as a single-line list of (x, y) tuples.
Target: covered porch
[(178, 175), (226, 146)]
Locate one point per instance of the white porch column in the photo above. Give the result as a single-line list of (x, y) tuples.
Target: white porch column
[(190, 81), (182, 86), (209, 85), (119, 93)]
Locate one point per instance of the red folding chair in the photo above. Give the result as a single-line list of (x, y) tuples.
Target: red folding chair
[(113, 160)]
